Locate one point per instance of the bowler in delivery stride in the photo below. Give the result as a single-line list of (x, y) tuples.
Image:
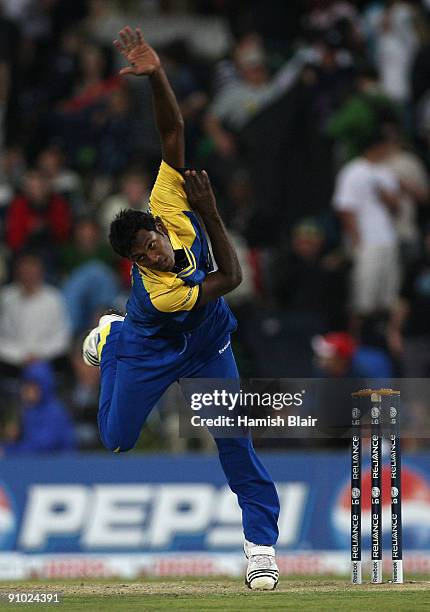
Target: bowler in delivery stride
[(177, 323)]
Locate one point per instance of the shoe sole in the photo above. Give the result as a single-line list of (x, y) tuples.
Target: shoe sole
[(265, 583), (262, 584)]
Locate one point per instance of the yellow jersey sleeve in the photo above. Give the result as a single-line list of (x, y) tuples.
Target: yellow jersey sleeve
[(176, 298), (168, 196)]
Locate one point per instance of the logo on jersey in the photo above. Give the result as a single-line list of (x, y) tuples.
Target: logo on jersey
[(224, 348)]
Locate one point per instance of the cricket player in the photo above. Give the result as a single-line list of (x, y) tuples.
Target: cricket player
[(177, 323)]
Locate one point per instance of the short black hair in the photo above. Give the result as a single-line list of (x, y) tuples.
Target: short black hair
[(124, 229)]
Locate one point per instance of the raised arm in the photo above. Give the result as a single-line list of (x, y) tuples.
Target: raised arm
[(168, 118), (229, 274)]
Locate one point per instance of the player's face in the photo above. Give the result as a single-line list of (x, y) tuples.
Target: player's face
[(153, 250)]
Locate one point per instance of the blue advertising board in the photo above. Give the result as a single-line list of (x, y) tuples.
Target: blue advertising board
[(147, 503)]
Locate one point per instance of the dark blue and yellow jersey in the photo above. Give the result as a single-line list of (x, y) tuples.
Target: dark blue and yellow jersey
[(166, 303)]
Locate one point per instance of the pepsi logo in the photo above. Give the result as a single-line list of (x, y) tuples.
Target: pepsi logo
[(7, 521)]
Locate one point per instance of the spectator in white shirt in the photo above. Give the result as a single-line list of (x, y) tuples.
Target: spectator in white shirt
[(33, 320), (367, 198)]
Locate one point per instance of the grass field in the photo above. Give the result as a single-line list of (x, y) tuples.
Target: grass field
[(293, 593)]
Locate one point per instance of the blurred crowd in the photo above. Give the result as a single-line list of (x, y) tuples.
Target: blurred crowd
[(312, 119)]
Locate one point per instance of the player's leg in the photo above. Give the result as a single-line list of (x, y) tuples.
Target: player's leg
[(245, 472), (127, 393), (249, 480)]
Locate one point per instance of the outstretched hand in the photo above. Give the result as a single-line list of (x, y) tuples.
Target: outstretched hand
[(137, 52), (199, 192)]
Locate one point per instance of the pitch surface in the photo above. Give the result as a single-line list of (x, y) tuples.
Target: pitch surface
[(293, 593)]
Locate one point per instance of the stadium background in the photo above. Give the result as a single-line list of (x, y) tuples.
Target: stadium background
[(277, 97)]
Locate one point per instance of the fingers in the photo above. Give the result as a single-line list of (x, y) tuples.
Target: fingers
[(129, 39), (205, 179), (119, 46), (190, 186), (124, 39), (197, 184), (139, 36), (197, 179), (200, 177), (193, 182)]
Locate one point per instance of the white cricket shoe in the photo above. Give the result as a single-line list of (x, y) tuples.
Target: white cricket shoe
[(262, 572), (90, 353)]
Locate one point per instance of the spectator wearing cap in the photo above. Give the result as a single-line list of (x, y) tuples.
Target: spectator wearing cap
[(339, 356), (241, 98)]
